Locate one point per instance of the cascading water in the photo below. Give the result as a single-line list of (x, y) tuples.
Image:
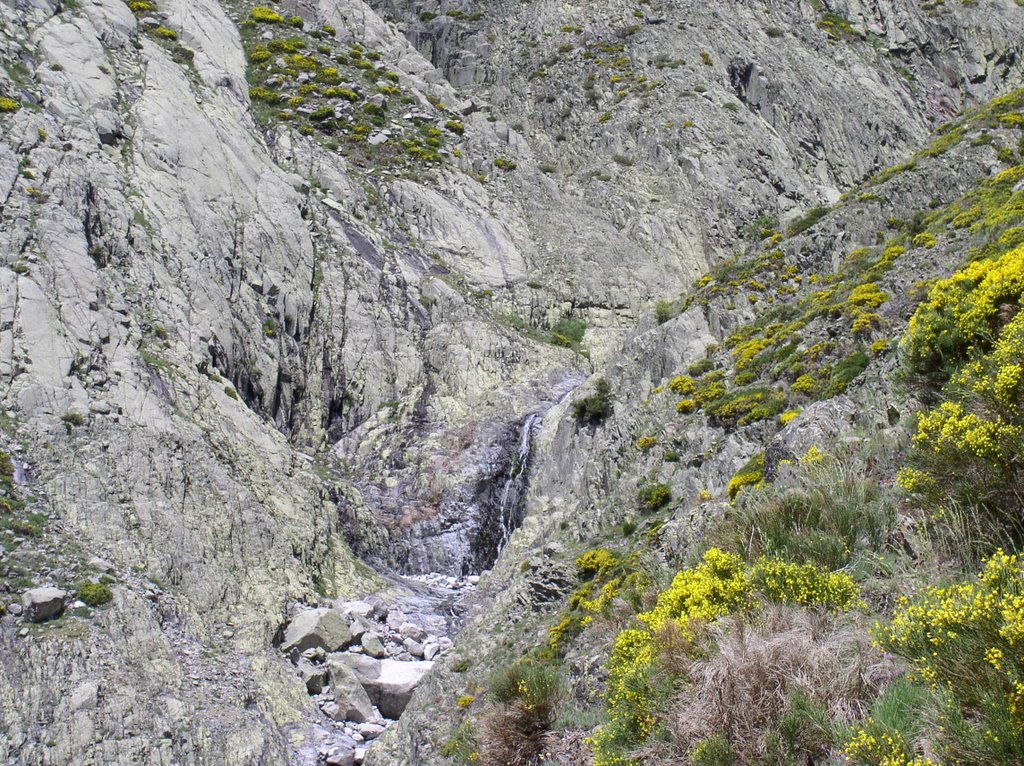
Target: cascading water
[(510, 502), (511, 505)]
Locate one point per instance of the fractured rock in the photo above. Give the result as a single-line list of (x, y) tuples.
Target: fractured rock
[(323, 628), (410, 630), (313, 676), (349, 694), (372, 644), (389, 683)]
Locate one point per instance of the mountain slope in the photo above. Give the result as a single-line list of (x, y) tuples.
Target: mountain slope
[(278, 298)]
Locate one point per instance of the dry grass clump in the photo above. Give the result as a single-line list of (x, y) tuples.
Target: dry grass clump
[(513, 732), (773, 690)]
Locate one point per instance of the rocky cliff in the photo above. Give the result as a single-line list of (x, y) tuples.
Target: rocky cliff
[(295, 297)]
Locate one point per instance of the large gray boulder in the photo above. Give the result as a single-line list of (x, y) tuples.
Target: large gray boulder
[(349, 695), (326, 629), (372, 644), (389, 683), (43, 604)]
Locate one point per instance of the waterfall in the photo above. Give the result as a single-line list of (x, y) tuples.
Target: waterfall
[(515, 481), (510, 504)]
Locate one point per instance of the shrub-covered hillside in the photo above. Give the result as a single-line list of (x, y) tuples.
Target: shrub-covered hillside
[(853, 594)]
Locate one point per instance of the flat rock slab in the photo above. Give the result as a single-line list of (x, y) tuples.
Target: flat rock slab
[(389, 683)]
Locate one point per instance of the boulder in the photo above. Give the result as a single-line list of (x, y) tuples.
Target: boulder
[(414, 648), (358, 627), (323, 628), (370, 730), (395, 619), (389, 683), (313, 676), (43, 604), (341, 755), (410, 630), (372, 644), (349, 695), (358, 609)]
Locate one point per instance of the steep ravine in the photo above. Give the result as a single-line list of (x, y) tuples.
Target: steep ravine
[(296, 303)]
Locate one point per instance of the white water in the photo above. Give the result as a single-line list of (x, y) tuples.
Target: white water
[(518, 473)]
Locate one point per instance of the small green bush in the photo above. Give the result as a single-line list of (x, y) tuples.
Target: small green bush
[(597, 406), (831, 517), (94, 593), (536, 685), (654, 497), (713, 751), (800, 225), (264, 15)]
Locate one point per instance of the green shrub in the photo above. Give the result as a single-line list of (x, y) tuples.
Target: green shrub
[(829, 518), (94, 593), (800, 225), (568, 332), (597, 406), (536, 685), (713, 751), (664, 311), (654, 497)]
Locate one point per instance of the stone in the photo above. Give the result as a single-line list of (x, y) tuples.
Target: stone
[(414, 648), (341, 755), (316, 654), (410, 630), (395, 619), (326, 629), (313, 676), (389, 683), (43, 604), (372, 644), (101, 565), (358, 628), (349, 693), (370, 730), (430, 650), (356, 608)]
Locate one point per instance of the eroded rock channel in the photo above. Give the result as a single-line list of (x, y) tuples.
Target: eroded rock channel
[(363, 659)]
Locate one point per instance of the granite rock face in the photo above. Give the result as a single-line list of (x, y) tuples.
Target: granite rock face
[(237, 356)]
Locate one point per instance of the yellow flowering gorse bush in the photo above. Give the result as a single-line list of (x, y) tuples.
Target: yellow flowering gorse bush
[(966, 641), (720, 585)]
